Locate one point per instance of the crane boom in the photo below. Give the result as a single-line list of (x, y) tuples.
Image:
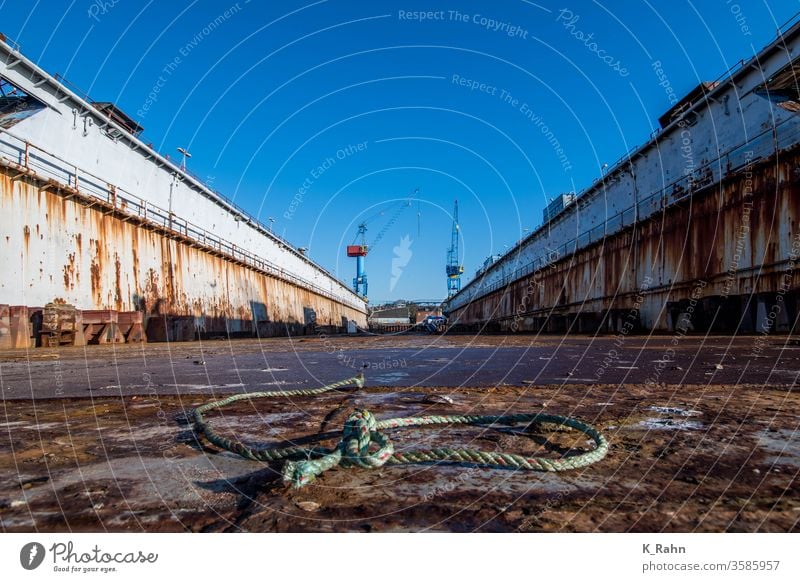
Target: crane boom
[(405, 204), (360, 249)]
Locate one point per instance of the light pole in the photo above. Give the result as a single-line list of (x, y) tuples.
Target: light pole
[(185, 155), (271, 222), (172, 186), (175, 179)]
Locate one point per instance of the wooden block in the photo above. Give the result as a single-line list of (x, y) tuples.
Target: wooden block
[(135, 334), (20, 326), (6, 338)]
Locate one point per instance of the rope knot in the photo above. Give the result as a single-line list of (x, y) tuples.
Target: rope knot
[(359, 432), (357, 435), (360, 435)]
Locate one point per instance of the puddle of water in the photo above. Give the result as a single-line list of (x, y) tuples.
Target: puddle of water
[(783, 444), (257, 421), (681, 423), (670, 424), (10, 424), (573, 379), (390, 377), (42, 426), (141, 434), (203, 386), (674, 411)]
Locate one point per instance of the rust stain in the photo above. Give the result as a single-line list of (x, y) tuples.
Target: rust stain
[(117, 282), (168, 272), (69, 273), (97, 272), (152, 292), (135, 256)]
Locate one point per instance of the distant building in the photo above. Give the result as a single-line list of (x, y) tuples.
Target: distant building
[(391, 314), (404, 312)]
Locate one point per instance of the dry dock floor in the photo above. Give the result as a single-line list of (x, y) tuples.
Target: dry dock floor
[(703, 434)]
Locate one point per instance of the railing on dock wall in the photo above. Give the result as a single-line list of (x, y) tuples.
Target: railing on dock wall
[(32, 158)]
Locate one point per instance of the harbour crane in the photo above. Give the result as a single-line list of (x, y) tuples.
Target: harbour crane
[(454, 268), (360, 249)]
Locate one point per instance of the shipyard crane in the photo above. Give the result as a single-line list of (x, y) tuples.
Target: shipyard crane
[(360, 249), (454, 269)]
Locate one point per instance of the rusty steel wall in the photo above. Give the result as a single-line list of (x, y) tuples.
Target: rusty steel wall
[(711, 137), (722, 260), (73, 143), (55, 246)]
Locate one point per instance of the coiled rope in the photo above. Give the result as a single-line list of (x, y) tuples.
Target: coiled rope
[(362, 430)]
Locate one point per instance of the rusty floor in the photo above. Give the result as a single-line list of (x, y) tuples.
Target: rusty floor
[(100, 449)]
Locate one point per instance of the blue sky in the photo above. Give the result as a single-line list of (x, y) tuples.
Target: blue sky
[(274, 98)]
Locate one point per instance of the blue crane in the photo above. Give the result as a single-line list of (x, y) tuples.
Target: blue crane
[(362, 249), (454, 268)]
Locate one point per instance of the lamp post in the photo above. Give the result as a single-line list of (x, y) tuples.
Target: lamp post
[(185, 154), (172, 186), (176, 179)]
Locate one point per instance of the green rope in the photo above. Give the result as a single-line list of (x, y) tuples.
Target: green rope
[(363, 445)]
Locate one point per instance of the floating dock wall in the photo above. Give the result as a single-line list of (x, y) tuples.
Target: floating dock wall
[(695, 229), (93, 216), (723, 259), (58, 244)]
